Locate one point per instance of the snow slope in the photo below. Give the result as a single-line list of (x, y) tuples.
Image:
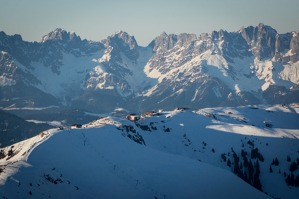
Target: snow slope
[(71, 75), (175, 154), (107, 165)]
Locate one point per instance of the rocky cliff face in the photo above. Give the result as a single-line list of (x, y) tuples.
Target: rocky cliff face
[(294, 47)]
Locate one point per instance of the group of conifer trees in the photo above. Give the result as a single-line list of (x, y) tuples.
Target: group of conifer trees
[(247, 167)]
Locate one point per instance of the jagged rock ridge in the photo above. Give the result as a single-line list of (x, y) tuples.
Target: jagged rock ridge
[(251, 66)]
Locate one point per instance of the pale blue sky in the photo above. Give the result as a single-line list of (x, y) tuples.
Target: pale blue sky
[(97, 19)]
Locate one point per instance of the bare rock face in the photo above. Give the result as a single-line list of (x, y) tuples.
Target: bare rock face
[(261, 39), (294, 46), (163, 42)]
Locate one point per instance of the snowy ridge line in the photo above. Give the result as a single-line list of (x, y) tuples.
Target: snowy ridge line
[(49, 133), (21, 152)]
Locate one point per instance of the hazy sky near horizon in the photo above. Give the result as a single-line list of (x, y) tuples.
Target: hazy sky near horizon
[(97, 19)]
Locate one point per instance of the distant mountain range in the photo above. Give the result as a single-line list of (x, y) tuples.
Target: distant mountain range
[(254, 65)]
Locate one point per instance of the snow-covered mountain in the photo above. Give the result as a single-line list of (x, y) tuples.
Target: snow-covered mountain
[(244, 152), (251, 66)]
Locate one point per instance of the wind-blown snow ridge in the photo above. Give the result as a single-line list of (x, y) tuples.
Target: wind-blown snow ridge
[(21, 152)]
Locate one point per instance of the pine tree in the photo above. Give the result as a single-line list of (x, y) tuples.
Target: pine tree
[(250, 172), (255, 154), (228, 163), (288, 180), (237, 169), (297, 181), (223, 156), (292, 179), (270, 170), (276, 162), (243, 153), (245, 177), (256, 180), (245, 161), (293, 167)]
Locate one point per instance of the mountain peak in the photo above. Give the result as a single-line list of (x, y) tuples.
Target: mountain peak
[(123, 36), (262, 27), (163, 34), (60, 34), (15, 37), (121, 33), (164, 42)]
